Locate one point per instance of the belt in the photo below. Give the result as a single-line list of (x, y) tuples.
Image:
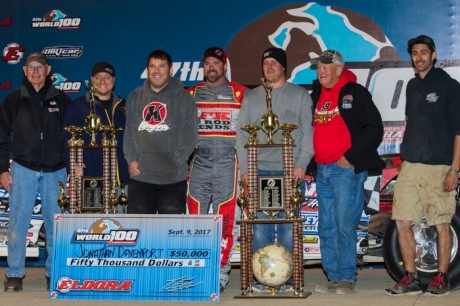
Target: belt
[(211, 151)]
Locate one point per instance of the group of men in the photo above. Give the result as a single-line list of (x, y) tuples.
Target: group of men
[(339, 128)]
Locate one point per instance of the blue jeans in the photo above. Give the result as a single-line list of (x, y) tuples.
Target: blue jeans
[(265, 233), (26, 184), (340, 205)]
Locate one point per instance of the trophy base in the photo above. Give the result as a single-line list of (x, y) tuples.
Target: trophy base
[(276, 295)]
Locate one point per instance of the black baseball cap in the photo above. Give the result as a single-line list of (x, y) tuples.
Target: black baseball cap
[(215, 52), (329, 57), (422, 39), (103, 67)]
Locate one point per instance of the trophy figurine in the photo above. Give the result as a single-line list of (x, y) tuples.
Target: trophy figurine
[(92, 121), (242, 199), (104, 130), (72, 130), (62, 200), (113, 131), (113, 200), (287, 128), (296, 198), (123, 198), (271, 213), (75, 132), (269, 121), (252, 130)]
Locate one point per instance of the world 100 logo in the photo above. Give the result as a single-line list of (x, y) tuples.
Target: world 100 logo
[(56, 19), (62, 83)]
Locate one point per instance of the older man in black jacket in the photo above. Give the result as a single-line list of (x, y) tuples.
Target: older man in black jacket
[(31, 122)]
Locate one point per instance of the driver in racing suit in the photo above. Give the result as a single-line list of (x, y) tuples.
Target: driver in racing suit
[(213, 174)]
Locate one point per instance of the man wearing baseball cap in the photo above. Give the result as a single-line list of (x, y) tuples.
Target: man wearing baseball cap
[(111, 109), (430, 150), (292, 104), (31, 122), (348, 129), (213, 174)]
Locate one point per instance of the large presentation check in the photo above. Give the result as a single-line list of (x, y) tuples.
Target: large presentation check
[(136, 257)]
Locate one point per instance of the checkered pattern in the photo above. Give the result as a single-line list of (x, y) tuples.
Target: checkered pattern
[(372, 195)]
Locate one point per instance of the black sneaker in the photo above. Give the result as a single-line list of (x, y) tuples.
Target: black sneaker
[(13, 284), (48, 280), (440, 285), (408, 285), (222, 288)]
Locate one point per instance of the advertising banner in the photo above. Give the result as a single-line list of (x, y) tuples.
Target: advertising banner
[(136, 257)]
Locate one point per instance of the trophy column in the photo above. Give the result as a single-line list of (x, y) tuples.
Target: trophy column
[(75, 158), (106, 174), (288, 165), (78, 182), (72, 182), (288, 168), (253, 203)]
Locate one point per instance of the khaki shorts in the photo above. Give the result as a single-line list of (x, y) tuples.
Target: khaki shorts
[(419, 193)]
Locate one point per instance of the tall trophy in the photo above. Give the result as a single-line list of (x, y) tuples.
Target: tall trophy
[(94, 194), (271, 194)]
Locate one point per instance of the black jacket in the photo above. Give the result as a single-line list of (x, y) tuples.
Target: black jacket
[(364, 123), (30, 132)]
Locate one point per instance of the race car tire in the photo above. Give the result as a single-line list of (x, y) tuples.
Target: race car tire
[(393, 259)]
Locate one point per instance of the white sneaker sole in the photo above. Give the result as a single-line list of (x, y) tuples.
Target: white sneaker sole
[(403, 294), (429, 294)]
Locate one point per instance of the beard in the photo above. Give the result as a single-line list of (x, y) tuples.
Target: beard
[(213, 75)]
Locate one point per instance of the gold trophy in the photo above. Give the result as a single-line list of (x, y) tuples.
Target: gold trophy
[(252, 130), (113, 200), (62, 200), (296, 199), (123, 198), (113, 131), (242, 199), (75, 132), (287, 128), (269, 120), (92, 121), (104, 130)]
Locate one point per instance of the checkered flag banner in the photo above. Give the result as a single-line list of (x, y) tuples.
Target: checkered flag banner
[(372, 195)]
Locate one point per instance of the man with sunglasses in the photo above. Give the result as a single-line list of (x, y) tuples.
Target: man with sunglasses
[(348, 129), (31, 122)]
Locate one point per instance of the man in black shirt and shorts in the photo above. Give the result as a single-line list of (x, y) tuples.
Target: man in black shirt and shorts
[(426, 185)]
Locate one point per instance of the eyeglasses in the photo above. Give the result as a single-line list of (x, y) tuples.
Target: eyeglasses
[(39, 67)]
